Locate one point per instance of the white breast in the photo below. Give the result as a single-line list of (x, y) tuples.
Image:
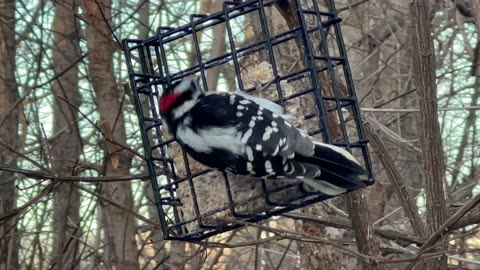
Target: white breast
[(206, 140)]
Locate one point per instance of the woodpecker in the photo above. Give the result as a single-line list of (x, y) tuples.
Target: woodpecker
[(246, 135)]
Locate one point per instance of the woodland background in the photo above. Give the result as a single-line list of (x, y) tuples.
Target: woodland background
[(68, 201)]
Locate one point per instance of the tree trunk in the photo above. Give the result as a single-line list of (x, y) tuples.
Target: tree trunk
[(218, 47), (66, 141), (120, 227), (433, 161), (312, 255), (160, 252), (9, 238)]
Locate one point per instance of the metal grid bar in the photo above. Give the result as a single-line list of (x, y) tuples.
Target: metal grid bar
[(150, 73)]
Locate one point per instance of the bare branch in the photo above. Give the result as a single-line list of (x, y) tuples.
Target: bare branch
[(395, 177), (445, 227), (42, 176)]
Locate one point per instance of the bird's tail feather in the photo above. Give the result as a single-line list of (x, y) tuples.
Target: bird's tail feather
[(340, 171), (324, 187)]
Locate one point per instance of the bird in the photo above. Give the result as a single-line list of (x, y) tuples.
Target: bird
[(245, 135)]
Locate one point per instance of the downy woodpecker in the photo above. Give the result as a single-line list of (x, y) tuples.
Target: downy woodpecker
[(246, 135)]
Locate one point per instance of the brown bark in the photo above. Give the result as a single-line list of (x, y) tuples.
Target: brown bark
[(433, 161), (9, 238), (143, 19), (66, 141), (218, 47), (362, 227), (408, 204), (325, 257), (386, 58), (160, 252), (464, 7), (120, 232), (313, 256)]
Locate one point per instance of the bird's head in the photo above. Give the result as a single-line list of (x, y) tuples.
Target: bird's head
[(180, 98)]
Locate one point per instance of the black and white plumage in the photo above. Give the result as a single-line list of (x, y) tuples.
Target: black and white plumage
[(246, 135)]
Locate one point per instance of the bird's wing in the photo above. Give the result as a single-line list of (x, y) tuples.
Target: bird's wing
[(267, 132), (257, 127), (267, 104)]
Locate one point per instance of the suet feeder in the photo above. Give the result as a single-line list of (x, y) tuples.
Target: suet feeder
[(317, 89)]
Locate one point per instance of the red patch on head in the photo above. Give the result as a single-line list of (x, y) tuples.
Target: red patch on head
[(167, 101)]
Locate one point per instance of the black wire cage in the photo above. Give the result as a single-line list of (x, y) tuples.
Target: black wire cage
[(194, 202)]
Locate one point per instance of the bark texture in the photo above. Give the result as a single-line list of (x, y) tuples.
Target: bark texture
[(66, 140), (120, 227), (9, 120), (433, 160), (356, 201), (312, 256)]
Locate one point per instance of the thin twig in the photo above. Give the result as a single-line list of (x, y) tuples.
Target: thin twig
[(29, 91), (14, 212), (38, 165), (121, 145), (42, 176), (350, 6), (342, 223), (400, 110), (119, 206), (303, 237), (442, 230), (287, 249)]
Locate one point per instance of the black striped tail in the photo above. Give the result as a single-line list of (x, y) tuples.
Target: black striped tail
[(340, 171)]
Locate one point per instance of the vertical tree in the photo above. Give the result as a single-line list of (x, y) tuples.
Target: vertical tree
[(431, 139), (9, 119), (120, 227), (66, 141), (314, 256)]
